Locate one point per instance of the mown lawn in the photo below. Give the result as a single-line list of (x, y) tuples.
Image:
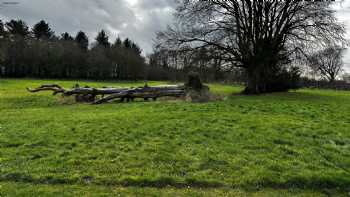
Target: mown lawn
[(282, 144)]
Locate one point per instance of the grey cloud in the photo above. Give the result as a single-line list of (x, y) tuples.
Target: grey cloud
[(151, 4)]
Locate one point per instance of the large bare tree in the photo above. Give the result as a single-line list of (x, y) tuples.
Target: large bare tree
[(257, 35)]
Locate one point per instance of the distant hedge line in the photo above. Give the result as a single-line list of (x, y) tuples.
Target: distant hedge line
[(336, 85)]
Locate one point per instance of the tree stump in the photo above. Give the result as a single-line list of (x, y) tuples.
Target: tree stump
[(194, 81), (195, 90)]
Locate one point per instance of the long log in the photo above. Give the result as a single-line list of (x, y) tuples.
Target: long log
[(146, 93), (88, 94), (141, 93), (94, 91)]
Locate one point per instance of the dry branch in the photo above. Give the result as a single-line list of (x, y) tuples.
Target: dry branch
[(49, 87)]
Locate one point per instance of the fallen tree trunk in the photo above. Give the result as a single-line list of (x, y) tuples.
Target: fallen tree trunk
[(88, 94), (144, 94), (193, 91)]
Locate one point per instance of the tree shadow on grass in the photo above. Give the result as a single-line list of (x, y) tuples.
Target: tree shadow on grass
[(24, 178), (314, 183), (164, 182), (303, 96), (25, 102), (127, 182)]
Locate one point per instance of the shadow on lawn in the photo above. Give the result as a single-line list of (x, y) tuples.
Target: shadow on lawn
[(164, 182), (315, 183), (127, 182), (302, 96), (31, 101)]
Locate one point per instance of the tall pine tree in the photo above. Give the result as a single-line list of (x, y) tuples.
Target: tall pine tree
[(17, 27), (42, 30), (102, 39), (82, 40)]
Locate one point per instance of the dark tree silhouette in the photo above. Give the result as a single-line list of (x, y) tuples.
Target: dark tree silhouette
[(22, 55), (102, 39), (67, 37), (2, 29), (127, 43), (118, 42), (17, 28), (82, 40), (258, 36), (136, 49), (42, 30)]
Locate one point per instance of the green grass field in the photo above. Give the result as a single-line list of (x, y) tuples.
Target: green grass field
[(282, 144)]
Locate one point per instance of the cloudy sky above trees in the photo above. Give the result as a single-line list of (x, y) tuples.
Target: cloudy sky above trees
[(136, 19)]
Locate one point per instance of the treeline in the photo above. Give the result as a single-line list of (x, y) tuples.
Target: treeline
[(168, 64), (39, 52)]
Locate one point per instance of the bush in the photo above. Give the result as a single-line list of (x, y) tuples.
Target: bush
[(281, 81), (286, 80)]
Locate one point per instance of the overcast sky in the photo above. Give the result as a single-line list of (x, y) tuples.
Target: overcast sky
[(136, 19)]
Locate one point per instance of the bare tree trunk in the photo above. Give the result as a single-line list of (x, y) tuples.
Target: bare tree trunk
[(254, 84)]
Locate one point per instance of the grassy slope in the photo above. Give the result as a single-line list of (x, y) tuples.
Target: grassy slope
[(295, 143)]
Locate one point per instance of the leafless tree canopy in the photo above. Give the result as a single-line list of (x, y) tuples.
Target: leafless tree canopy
[(257, 35), (328, 62)]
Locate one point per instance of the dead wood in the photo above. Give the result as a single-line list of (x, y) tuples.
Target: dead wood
[(90, 95)]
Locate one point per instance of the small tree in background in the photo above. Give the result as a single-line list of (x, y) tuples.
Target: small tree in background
[(3, 32), (17, 28), (42, 30), (118, 42), (102, 39), (82, 40), (328, 62), (67, 37)]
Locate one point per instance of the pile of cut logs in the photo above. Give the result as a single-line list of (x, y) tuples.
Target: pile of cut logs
[(103, 95)]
